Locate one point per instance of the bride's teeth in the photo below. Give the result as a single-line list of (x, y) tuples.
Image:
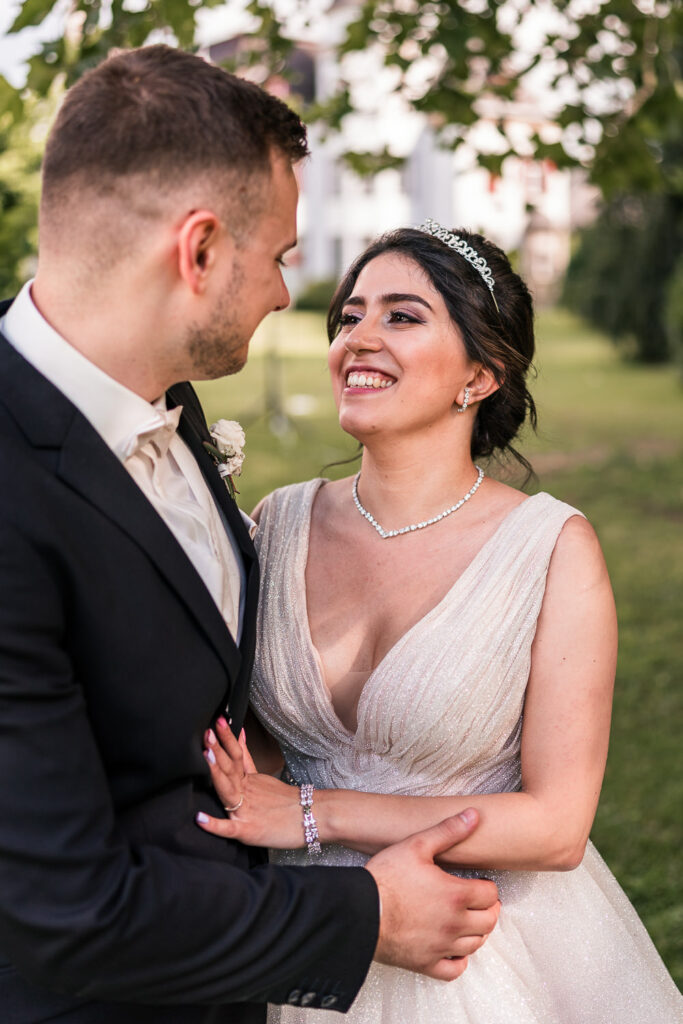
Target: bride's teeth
[(366, 380)]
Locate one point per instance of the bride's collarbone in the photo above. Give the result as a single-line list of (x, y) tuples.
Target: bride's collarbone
[(385, 582), (347, 553)]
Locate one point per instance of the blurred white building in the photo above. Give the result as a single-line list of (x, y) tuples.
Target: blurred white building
[(530, 210)]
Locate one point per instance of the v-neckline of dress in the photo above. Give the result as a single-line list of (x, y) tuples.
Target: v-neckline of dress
[(302, 563)]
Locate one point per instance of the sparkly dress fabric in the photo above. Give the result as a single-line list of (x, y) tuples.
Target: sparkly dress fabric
[(441, 714)]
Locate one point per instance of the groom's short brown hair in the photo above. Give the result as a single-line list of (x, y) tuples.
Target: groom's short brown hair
[(167, 115)]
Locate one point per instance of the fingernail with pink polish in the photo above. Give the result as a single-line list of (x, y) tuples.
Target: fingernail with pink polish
[(211, 737), (202, 818), (210, 756), (223, 724)]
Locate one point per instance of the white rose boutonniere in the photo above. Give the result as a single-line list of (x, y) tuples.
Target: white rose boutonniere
[(227, 450)]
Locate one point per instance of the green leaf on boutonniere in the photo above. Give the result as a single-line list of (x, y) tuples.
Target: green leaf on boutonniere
[(220, 458), (216, 454)]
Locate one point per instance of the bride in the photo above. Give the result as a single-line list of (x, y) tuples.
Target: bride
[(431, 639)]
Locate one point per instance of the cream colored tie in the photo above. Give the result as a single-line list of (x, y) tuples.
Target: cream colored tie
[(168, 474)]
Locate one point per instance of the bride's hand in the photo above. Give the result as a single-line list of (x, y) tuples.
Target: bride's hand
[(266, 811)]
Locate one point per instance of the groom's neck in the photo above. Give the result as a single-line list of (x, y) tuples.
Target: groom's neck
[(122, 325)]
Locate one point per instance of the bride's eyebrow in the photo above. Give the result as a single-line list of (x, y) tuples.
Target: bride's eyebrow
[(405, 297), (387, 300)]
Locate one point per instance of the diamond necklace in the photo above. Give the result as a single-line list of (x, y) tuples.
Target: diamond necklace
[(384, 534)]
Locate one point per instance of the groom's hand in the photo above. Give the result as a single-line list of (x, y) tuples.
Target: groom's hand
[(431, 921)]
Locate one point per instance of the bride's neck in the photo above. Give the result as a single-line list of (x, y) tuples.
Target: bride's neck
[(400, 486)]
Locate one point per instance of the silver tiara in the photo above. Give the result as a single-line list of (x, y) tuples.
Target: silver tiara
[(430, 227)]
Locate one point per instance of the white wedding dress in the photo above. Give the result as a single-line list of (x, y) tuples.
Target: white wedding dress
[(442, 714)]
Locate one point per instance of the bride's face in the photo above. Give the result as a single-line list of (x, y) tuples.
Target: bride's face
[(398, 364)]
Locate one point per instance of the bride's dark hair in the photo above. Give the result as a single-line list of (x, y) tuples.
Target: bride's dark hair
[(501, 339)]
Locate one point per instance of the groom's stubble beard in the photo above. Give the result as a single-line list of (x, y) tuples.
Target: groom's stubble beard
[(220, 347)]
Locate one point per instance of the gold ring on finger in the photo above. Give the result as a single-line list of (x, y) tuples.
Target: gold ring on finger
[(237, 806)]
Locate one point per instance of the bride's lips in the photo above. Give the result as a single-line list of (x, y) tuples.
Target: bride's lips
[(366, 380)]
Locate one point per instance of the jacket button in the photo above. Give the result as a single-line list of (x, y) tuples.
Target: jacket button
[(294, 997), (308, 997), (327, 1001)]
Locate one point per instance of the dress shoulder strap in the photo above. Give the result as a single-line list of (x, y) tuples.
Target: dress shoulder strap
[(523, 544)]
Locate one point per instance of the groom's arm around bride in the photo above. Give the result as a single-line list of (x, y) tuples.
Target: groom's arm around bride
[(168, 202)]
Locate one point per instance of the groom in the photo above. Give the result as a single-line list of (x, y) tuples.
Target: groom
[(128, 588)]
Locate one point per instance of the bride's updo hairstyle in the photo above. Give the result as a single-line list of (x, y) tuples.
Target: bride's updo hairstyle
[(501, 339)]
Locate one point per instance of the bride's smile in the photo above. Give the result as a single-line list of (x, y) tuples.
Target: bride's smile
[(366, 378)]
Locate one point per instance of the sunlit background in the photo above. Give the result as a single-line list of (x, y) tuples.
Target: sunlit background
[(555, 129)]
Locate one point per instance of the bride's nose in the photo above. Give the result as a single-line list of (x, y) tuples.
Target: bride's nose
[(365, 337)]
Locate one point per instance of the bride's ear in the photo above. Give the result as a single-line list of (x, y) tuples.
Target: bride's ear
[(481, 384)]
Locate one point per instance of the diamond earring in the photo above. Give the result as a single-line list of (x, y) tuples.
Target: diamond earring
[(466, 401)]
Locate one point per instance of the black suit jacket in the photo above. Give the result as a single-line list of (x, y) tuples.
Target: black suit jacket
[(114, 905)]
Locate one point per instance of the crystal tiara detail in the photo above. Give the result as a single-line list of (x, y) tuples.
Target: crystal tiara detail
[(431, 227)]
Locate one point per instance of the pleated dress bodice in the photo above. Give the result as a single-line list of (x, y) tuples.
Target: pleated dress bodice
[(442, 714)]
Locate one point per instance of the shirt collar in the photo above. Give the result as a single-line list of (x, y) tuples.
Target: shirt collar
[(116, 413)]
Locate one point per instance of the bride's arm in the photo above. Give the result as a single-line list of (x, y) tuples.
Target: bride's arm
[(564, 746)]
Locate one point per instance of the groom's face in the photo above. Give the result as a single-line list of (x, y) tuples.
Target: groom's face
[(252, 284)]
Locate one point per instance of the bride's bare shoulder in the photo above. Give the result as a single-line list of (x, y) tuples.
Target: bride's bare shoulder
[(501, 498)]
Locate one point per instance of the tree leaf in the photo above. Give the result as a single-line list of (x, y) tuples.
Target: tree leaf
[(32, 12)]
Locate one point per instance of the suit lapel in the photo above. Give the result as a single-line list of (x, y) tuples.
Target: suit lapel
[(193, 430), (106, 484), (89, 467)]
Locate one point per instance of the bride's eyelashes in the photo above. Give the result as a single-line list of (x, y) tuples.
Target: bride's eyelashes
[(400, 316), (394, 316), (349, 319)]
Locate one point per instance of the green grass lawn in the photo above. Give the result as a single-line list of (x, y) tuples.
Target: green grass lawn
[(610, 441)]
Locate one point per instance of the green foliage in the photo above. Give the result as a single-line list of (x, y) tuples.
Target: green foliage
[(619, 62), (317, 295), (619, 278), (620, 65), (97, 26), (367, 164), (22, 126)]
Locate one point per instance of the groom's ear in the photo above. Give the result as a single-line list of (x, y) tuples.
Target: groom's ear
[(198, 240)]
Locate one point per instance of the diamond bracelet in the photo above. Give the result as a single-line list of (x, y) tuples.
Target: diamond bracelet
[(309, 822)]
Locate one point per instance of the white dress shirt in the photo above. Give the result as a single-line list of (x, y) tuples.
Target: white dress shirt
[(143, 437)]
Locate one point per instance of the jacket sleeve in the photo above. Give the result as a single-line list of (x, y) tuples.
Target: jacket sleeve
[(84, 913)]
